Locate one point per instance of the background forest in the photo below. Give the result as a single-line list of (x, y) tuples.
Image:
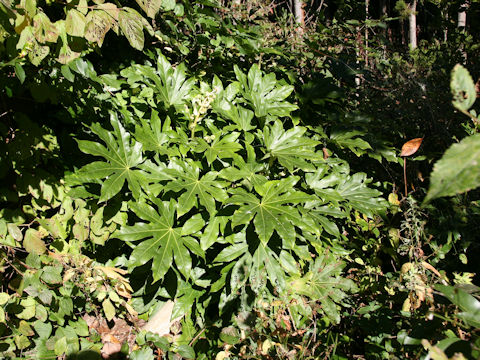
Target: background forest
[(239, 179)]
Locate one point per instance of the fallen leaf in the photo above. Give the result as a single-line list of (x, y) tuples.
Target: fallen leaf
[(160, 322), (411, 147)]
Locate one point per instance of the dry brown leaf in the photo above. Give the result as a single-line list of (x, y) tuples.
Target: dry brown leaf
[(411, 147), (112, 338), (326, 155)]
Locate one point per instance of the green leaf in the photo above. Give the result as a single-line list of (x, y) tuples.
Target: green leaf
[(52, 274), (272, 211), (206, 189), (461, 298), (156, 136), (143, 354), (231, 252), (463, 88), (4, 297), (224, 147), (28, 311), (19, 72), (44, 330), (15, 232), (131, 23), (186, 351), (123, 155), (350, 140), (357, 194), (290, 148), (210, 234), (457, 171), (61, 346), (162, 242)]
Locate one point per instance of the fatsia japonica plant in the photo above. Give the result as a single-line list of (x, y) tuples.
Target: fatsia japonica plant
[(226, 195)]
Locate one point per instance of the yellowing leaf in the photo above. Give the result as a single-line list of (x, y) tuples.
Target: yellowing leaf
[(33, 242), (108, 308)]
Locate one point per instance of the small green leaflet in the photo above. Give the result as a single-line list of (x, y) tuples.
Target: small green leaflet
[(161, 241), (290, 147), (273, 211), (207, 188), (122, 156)]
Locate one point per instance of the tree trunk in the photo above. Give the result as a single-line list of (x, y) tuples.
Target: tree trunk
[(412, 25), (299, 14), (445, 30), (366, 33), (462, 15)]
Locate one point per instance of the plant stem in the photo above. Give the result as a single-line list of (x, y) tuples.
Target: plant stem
[(405, 174)]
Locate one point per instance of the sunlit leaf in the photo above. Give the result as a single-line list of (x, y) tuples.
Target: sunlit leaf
[(457, 171)]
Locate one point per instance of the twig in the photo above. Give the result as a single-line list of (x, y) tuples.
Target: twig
[(196, 337)]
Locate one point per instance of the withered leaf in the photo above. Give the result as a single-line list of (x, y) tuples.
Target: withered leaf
[(411, 147)]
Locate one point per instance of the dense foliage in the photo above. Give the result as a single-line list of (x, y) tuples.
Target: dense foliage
[(209, 179)]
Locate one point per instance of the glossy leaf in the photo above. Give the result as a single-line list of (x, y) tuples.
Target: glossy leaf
[(290, 148), (264, 93), (122, 155), (160, 239), (274, 209), (206, 189)]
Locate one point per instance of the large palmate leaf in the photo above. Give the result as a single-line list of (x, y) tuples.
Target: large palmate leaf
[(334, 185), (264, 93), (156, 136), (256, 269), (122, 155), (290, 147), (161, 241), (274, 210), (221, 147), (206, 189), (171, 85), (324, 283)]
